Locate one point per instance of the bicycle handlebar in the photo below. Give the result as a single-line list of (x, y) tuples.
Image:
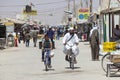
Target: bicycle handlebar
[(70, 45), (47, 49)]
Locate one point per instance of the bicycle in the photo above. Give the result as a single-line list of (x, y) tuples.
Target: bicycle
[(110, 63), (47, 59)]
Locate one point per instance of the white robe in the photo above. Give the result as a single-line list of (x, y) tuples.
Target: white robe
[(72, 41)]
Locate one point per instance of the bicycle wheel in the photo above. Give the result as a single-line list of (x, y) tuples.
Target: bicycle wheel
[(46, 61), (105, 60), (46, 64), (72, 61)]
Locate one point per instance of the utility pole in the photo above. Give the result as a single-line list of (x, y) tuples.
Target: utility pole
[(75, 16), (90, 6), (86, 3), (74, 9), (119, 19), (68, 11), (68, 5), (99, 2), (81, 4), (109, 4)]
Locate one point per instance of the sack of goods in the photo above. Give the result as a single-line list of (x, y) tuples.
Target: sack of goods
[(115, 58)]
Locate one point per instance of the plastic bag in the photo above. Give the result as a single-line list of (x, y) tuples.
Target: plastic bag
[(52, 54)]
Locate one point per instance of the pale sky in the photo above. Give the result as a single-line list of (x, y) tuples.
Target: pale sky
[(9, 8)]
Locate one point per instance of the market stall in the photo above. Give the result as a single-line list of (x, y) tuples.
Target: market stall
[(2, 35), (9, 31), (110, 19)]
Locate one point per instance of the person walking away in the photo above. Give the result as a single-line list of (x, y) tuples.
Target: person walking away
[(66, 31), (35, 34), (23, 35), (94, 43), (58, 33), (27, 38), (71, 38), (80, 35), (116, 33), (16, 40), (46, 43), (51, 35), (19, 39)]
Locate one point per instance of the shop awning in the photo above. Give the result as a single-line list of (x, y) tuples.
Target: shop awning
[(9, 24), (111, 10)]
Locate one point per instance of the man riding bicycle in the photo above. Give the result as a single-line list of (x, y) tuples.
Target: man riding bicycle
[(69, 39)]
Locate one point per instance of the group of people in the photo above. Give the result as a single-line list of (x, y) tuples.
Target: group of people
[(28, 35), (69, 38), (71, 41)]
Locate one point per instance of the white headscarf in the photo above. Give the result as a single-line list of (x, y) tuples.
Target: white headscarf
[(71, 28), (94, 27)]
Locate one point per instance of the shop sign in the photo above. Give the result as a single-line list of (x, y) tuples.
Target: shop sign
[(83, 14)]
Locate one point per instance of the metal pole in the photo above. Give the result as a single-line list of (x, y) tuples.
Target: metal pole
[(68, 14), (109, 4), (119, 19), (74, 9), (90, 6), (75, 22), (112, 23), (68, 5), (99, 2), (86, 3), (81, 4)]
